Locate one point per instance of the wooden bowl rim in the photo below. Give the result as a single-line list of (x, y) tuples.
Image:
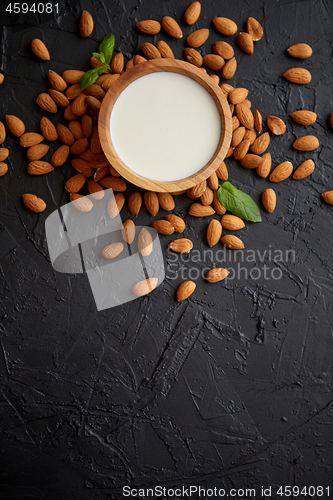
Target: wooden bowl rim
[(176, 66)]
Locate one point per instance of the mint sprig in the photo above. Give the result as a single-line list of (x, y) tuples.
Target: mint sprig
[(104, 56), (238, 203)]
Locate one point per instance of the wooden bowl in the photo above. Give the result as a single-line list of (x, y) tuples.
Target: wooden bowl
[(183, 68)]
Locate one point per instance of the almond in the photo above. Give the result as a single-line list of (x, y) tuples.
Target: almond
[(187, 288), (115, 183), (213, 182), (56, 81), (60, 156), (225, 26), (230, 152), (242, 149), (84, 167), (177, 222), (251, 161), (37, 152), (1, 78), (79, 105), (250, 134), (99, 174), (192, 13), (166, 201), (72, 76), (30, 139), (163, 226), (281, 172), (264, 168), (151, 201), (150, 51), (217, 274), (46, 102), (261, 144), (40, 50), (197, 38), (95, 190), (172, 27), (276, 125), (298, 75), (144, 287), (39, 167), (306, 143), (222, 172), (65, 135), (215, 78), (34, 203), (115, 204), (238, 95), (223, 49), (75, 183), (229, 69), (245, 115), (79, 146), (232, 242), (80, 202), (226, 88), (2, 132), (113, 250), (214, 232), (76, 129), (117, 63), (149, 26), (3, 169), (59, 98), (95, 90), (15, 125), (232, 222), (207, 196), (246, 43), (164, 49), (87, 125), (145, 242), (269, 199), (304, 117), (4, 152), (305, 169), (182, 245), (237, 136), (328, 197), (198, 210), (300, 51), (198, 190), (129, 64), (139, 59), (193, 56), (257, 121), (93, 103), (254, 29), (135, 202), (68, 113), (73, 91), (128, 231), (86, 24), (213, 61)]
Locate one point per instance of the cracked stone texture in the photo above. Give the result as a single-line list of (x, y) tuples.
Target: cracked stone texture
[(231, 388)]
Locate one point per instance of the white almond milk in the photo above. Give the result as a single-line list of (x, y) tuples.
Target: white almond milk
[(165, 126)]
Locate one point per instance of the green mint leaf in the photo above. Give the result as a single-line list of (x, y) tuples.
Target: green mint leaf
[(100, 57), (90, 77), (238, 203), (106, 46)]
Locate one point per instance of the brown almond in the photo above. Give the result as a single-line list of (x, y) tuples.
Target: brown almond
[(298, 75), (145, 242), (171, 27), (73, 91), (197, 38), (135, 202), (281, 172), (96, 191), (306, 143), (245, 42), (254, 29), (1, 78), (238, 95), (76, 129), (164, 49), (213, 181), (242, 149), (39, 167), (80, 202), (264, 168), (261, 144), (93, 103), (68, 113), (95, 90), (251, 161), (75, 183), (232, 222), (269, 199), (46, 102), (185, 289), (193, 56), (115, 204), (129, 64), (59, 98), (276, 125), (151, 201), (115, 183), (79, 146), (198, 190), (113, 250), (225, 26), (304, 117), (214, 232), (198, 210), (257, 121), (217, 274), (149, 26), (226, 88), (162, 227), (182, 245), (99, 173), (177, 222), (150, 51), (30, 139), (15, 125), (229, 69), (218, 207), (207, 196), (215, 78), (237, 136), (251, 135), (139, 59), (56, 81), (87, 125), (300, 51), (192, 13), (213, 61), (86, 24), (328, 197), (33, 203), (84, 167), (79, 105), (233, 242), (144, 287), (40, 50), (224, 49), (245, 115), (65, 135), (4, 152), (3, 168), (72, 76), (230, 152), (117, 63), (60, 156), (304, 170), (222, 172), (166, 201), (37, 152)]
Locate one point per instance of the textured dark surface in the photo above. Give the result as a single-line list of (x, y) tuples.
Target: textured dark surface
[(231, 388)]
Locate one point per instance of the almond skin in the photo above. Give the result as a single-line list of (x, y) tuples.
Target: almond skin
[(60, 156), (3, 168), (192, 13), (151, 201), (164, 50), (135, 202), (95, 190), (182, 245), (251, 161), (224, 49), (214, 232), (84, 167), (242, 149), (276, 125), (4, 152), (80, 202), (281, 172), (225, 26), (197, 38), (232, 222), (115, 183), (207, 196), (113, 250), (15, 125), (217, 274), (238, 95), (96, 90), (144, 287), (172, 27), (198, 210), (86, 24), (229, 69), (257, 121), (145, 242), (265, 167), (306, 143), (72, 76), (222, 172), (75, 183), (269, 199), (261, 144), (177, 222), (46, 102), (1, 78), (300, 51), (128, 231), (56, 81), (150, 51), (185, 290), (328, 197), (213, 61), (166, 201), (117, 63), (232, 242), (245, 115), (59, 98), (2, 132), (193, 56), (30, 139), (213, 182), (39, 167), (254, 29), (79, 146), (197, 190), (304, 117), (162, 226), (37, 152), (149, 26), (218, 207), (33, 203), (237, 136), (298, 75), (245, 42), (65, 135), (40, 50), (305, 169), (115, 204)]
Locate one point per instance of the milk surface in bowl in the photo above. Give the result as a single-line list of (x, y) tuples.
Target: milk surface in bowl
[(165, 126)]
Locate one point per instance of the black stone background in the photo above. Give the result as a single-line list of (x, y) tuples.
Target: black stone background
[(231, 388)]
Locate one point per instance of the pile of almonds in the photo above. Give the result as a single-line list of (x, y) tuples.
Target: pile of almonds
[(80, 138)]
